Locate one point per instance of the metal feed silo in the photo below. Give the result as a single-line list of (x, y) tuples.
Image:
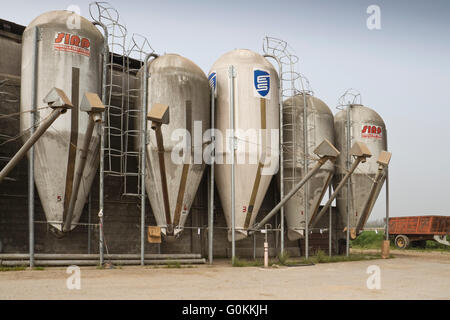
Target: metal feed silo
[(255, 97), (320, 126), (69, 57), (368, 127), (180, 84)]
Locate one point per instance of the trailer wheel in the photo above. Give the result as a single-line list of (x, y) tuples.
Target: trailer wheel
[(401, 241)]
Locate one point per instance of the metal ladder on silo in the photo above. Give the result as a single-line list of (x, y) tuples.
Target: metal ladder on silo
[(121, 158), (139, 49), (350, 96), (114, 87)]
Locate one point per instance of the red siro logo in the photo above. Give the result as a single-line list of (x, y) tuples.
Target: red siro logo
[(72, 43), (369, 131)]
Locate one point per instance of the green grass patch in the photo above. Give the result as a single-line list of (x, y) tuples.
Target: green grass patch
[(319, 257), (373, 240), (430, 245), (177, 265), (434, 245), (237, 262), (322, 257), (173, 264), (38, 268), (19, 268), (368, 240), (283, 258)]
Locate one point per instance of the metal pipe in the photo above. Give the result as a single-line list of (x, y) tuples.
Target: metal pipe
[(305, 168), (143, 158), (254, 246), (330, 224), (387, 204), (276, 232), (380, 186), (370, 199), (56, 263), (336, 191), (293, 191), (80, 256), (211, 180), (89, 222), (31, 155), (281, 141), (266, 247), (143, 151), (209, 216), (30, 142), (93, 118), (347, 243), (387, 197), (233, 236), (102, 141)]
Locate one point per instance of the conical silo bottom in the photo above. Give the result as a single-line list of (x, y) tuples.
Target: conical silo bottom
[(246, 207), (55, 167), (183, 181)]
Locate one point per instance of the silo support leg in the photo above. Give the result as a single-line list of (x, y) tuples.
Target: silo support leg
[(294, 190), (383, 162), (322, 194), (339, 187), (373, 195), (93, 118), (326, 151)]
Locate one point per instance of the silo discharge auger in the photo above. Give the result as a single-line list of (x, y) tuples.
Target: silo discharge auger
[(360, 151), (383, 162), (326, 151), (94, 107), (58, 101), (159, 115)]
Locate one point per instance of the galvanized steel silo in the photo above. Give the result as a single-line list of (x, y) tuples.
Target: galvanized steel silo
[(368, 127), (256, 114), (320, 126), (69, 57), (179, 83)]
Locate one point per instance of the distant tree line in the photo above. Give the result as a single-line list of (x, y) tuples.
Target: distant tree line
[(378, 223)]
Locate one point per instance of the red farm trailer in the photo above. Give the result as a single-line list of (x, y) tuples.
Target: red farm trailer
[(407, 230)]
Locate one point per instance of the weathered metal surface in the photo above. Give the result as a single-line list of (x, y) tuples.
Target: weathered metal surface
[(69, 59), (368, 127), (383, 161), (81, 256), (320, 127), (361, 158), (425, 225), (326, 151), (56, 263), (29, 143), (250, 113), (179, 83)]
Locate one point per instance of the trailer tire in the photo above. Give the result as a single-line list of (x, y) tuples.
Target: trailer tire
[(401, 241)]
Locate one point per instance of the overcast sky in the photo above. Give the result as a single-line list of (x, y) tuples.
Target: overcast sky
[(401, 70)]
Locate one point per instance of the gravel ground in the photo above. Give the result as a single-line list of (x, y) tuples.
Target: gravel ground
[(410, 275)]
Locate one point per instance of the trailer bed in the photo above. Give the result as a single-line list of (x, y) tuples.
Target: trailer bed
[(418, 229), (431, 225)]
